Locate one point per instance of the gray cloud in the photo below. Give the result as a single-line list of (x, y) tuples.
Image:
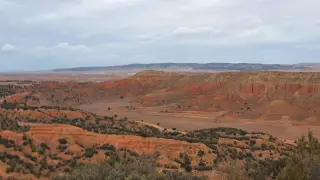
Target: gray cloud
[(185, 31), (90, 32), (8, 48), (64, 47)]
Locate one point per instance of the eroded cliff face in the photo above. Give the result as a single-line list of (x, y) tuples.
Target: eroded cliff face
[(251, 89), (286, 88), (242, 93), (242, 83)]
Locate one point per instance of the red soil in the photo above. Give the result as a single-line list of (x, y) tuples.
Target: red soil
[(50, 133), (251, 95)]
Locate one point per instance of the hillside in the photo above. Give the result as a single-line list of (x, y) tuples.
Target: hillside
[(45, 142), (244, 94), (61, 142), (251, 95)]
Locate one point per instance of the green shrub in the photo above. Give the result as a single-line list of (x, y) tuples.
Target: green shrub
[(89, 153), (304, 161), (136, 170), (63, 141), (201, 153), (24, 137)]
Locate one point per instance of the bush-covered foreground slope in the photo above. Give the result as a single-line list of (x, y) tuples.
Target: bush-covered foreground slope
[(66, 143)]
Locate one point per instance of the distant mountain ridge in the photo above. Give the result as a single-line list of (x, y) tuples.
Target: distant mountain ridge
[(193, 66)]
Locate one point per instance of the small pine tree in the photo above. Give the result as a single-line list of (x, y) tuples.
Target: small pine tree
[(187, 163)]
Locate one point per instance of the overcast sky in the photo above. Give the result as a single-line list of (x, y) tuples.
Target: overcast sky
[(46, 34)]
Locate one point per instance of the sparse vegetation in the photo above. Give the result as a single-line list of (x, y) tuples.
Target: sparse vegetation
[(142, 168), (12, 125), (63, 141), (303, 162), (239, 154)]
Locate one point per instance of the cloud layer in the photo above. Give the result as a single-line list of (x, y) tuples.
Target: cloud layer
[(8, 48), (70, 33)]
